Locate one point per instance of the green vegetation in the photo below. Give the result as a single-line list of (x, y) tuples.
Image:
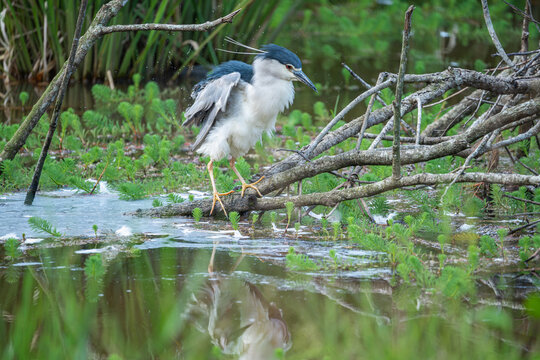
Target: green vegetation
[(42, 225), (97, 313), (435, 249)]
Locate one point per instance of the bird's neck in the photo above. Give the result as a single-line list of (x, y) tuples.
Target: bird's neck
[(269, 94)]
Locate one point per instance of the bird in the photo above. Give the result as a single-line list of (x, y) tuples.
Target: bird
[(237, 102)]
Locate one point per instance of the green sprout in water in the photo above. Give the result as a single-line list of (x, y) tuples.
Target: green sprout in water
[(95, 228), (93, 267), (502, 234), (42, 225), (175, 198), (197, 214), (324, 224), (23, 96), (290, 207), (254, 219), (234, 218), (297, 228), (442, 239), (300, 261), (337, 230), (12, 247), (157, 203), (273, 217)]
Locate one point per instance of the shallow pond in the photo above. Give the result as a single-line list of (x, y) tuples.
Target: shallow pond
[(152, 294)]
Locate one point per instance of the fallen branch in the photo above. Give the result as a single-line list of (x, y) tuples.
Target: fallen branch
[(252, 203)]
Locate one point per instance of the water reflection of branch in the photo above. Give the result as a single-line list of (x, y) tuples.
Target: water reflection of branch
[(323, 290)]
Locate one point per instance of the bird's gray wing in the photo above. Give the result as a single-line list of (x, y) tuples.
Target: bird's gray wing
[(210, 101)]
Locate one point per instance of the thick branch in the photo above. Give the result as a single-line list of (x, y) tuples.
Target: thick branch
[(56, 112), (396, 162), (447, 80), (333, 197)]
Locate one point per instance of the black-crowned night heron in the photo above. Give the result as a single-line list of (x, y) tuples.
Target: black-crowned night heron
[(238, 102)]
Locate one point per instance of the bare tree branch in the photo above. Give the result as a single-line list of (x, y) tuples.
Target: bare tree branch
[(396, 162), (30, 195), (494, 38), (332, 197)]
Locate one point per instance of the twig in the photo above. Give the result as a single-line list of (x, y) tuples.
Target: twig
[(343, 112), (447, 98), (461, 170), (363, 82), (525, 29), (101, 175), (519, 162), (169, 27), (396, 163), (523, 227), (494, 38), (520, 199), (522, 13), (31, 194), (366, 116), (418, 121)]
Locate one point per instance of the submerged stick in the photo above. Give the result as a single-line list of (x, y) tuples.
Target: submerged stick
[(396, 162), (31, 194)]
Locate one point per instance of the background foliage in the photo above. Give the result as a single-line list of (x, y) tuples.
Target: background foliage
[(324, 31)]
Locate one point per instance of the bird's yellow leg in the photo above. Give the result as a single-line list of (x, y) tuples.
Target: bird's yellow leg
[(216, 195), (245, 185)]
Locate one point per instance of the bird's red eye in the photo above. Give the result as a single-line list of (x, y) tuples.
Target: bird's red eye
[(289, 67)]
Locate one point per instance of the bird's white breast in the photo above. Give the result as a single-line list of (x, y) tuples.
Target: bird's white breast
[(252, 112)]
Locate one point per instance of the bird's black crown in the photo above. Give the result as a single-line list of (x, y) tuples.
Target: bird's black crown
[(281, 54)]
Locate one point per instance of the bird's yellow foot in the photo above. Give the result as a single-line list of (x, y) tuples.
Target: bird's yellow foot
[(216, 197), (252, 185)]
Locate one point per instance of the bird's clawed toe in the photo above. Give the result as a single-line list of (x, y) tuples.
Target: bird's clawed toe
[(252, 185), (216, 197)]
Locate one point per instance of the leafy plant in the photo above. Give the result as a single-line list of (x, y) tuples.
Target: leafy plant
[(289, 205), (131, 191), (93, 266), (234, 218), (44, 226), (299, 262), (175, 198), (197, 214), (12, 248)]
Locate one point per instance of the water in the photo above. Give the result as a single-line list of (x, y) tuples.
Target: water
[(153, 295)]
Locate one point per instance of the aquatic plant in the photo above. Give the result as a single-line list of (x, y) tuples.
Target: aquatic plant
[(23, 97), (488, 245), (197, 214), (157, 203), (336, 226), (44, 226), (95, 228), (289, 205), (297, 228), (93, 266), (12, 248), (131, 191), (173, 198), (300, 262), (234, 218)]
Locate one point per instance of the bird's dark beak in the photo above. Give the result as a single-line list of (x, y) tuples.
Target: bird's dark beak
[(303, 78)]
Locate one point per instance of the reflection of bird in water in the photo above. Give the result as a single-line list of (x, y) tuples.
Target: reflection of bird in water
[(239, 320), (238, 102)]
